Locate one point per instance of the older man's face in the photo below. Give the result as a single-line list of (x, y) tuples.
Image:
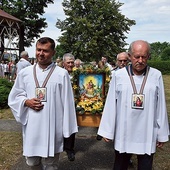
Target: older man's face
[(139, 57), (122, 60), (69, 64)]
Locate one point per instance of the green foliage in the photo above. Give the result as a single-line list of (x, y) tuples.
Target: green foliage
[(93, 28), (163, 66), (165, 55), (59, 52), (5, 88), (157, 48), (30, 13)]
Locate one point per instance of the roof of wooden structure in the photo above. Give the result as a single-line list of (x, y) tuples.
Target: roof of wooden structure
[(3, 14)]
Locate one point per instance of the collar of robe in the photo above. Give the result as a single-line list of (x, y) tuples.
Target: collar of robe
[(48, 67), (131, 71)]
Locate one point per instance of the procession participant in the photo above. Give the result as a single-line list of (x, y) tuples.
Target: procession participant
[(68, 64), (44, 122), (104, 59), (122, 60), (23, 62), (135, 129), (77, 63)]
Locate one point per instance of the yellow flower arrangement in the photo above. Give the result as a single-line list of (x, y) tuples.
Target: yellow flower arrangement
[(93, 104)]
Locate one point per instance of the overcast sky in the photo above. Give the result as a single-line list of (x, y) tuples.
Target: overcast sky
[(152, 20)]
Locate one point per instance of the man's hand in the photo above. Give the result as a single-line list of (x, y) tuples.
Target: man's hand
[(34, 104), (159, 144)]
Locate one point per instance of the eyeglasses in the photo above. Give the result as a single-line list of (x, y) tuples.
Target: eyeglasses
[(122, 61)]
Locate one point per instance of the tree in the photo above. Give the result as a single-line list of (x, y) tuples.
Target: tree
[(93, 28), (29, 12), (157, 48), (165, 55), (59, 52)]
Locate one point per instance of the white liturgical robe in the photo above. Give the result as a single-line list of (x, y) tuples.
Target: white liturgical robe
[(43, 131), (22, 63), (135, 130)]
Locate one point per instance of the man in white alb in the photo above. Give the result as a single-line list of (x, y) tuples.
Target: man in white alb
[(23, 62), (135, 128), (42, 101)]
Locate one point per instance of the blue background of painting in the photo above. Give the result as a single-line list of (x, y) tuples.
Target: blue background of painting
[(98, 77)]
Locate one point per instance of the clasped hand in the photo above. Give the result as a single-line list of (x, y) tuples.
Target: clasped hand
[(34, 104)]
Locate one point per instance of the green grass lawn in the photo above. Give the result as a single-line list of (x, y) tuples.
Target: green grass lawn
[(11, 142)]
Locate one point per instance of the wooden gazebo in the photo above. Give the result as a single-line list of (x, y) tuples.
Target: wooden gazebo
[(10, 34)]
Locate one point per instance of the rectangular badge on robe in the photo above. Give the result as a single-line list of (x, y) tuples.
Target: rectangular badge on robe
[(41, 93), (138, 101)]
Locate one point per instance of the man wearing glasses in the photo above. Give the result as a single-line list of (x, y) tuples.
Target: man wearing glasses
[(122, 60)]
